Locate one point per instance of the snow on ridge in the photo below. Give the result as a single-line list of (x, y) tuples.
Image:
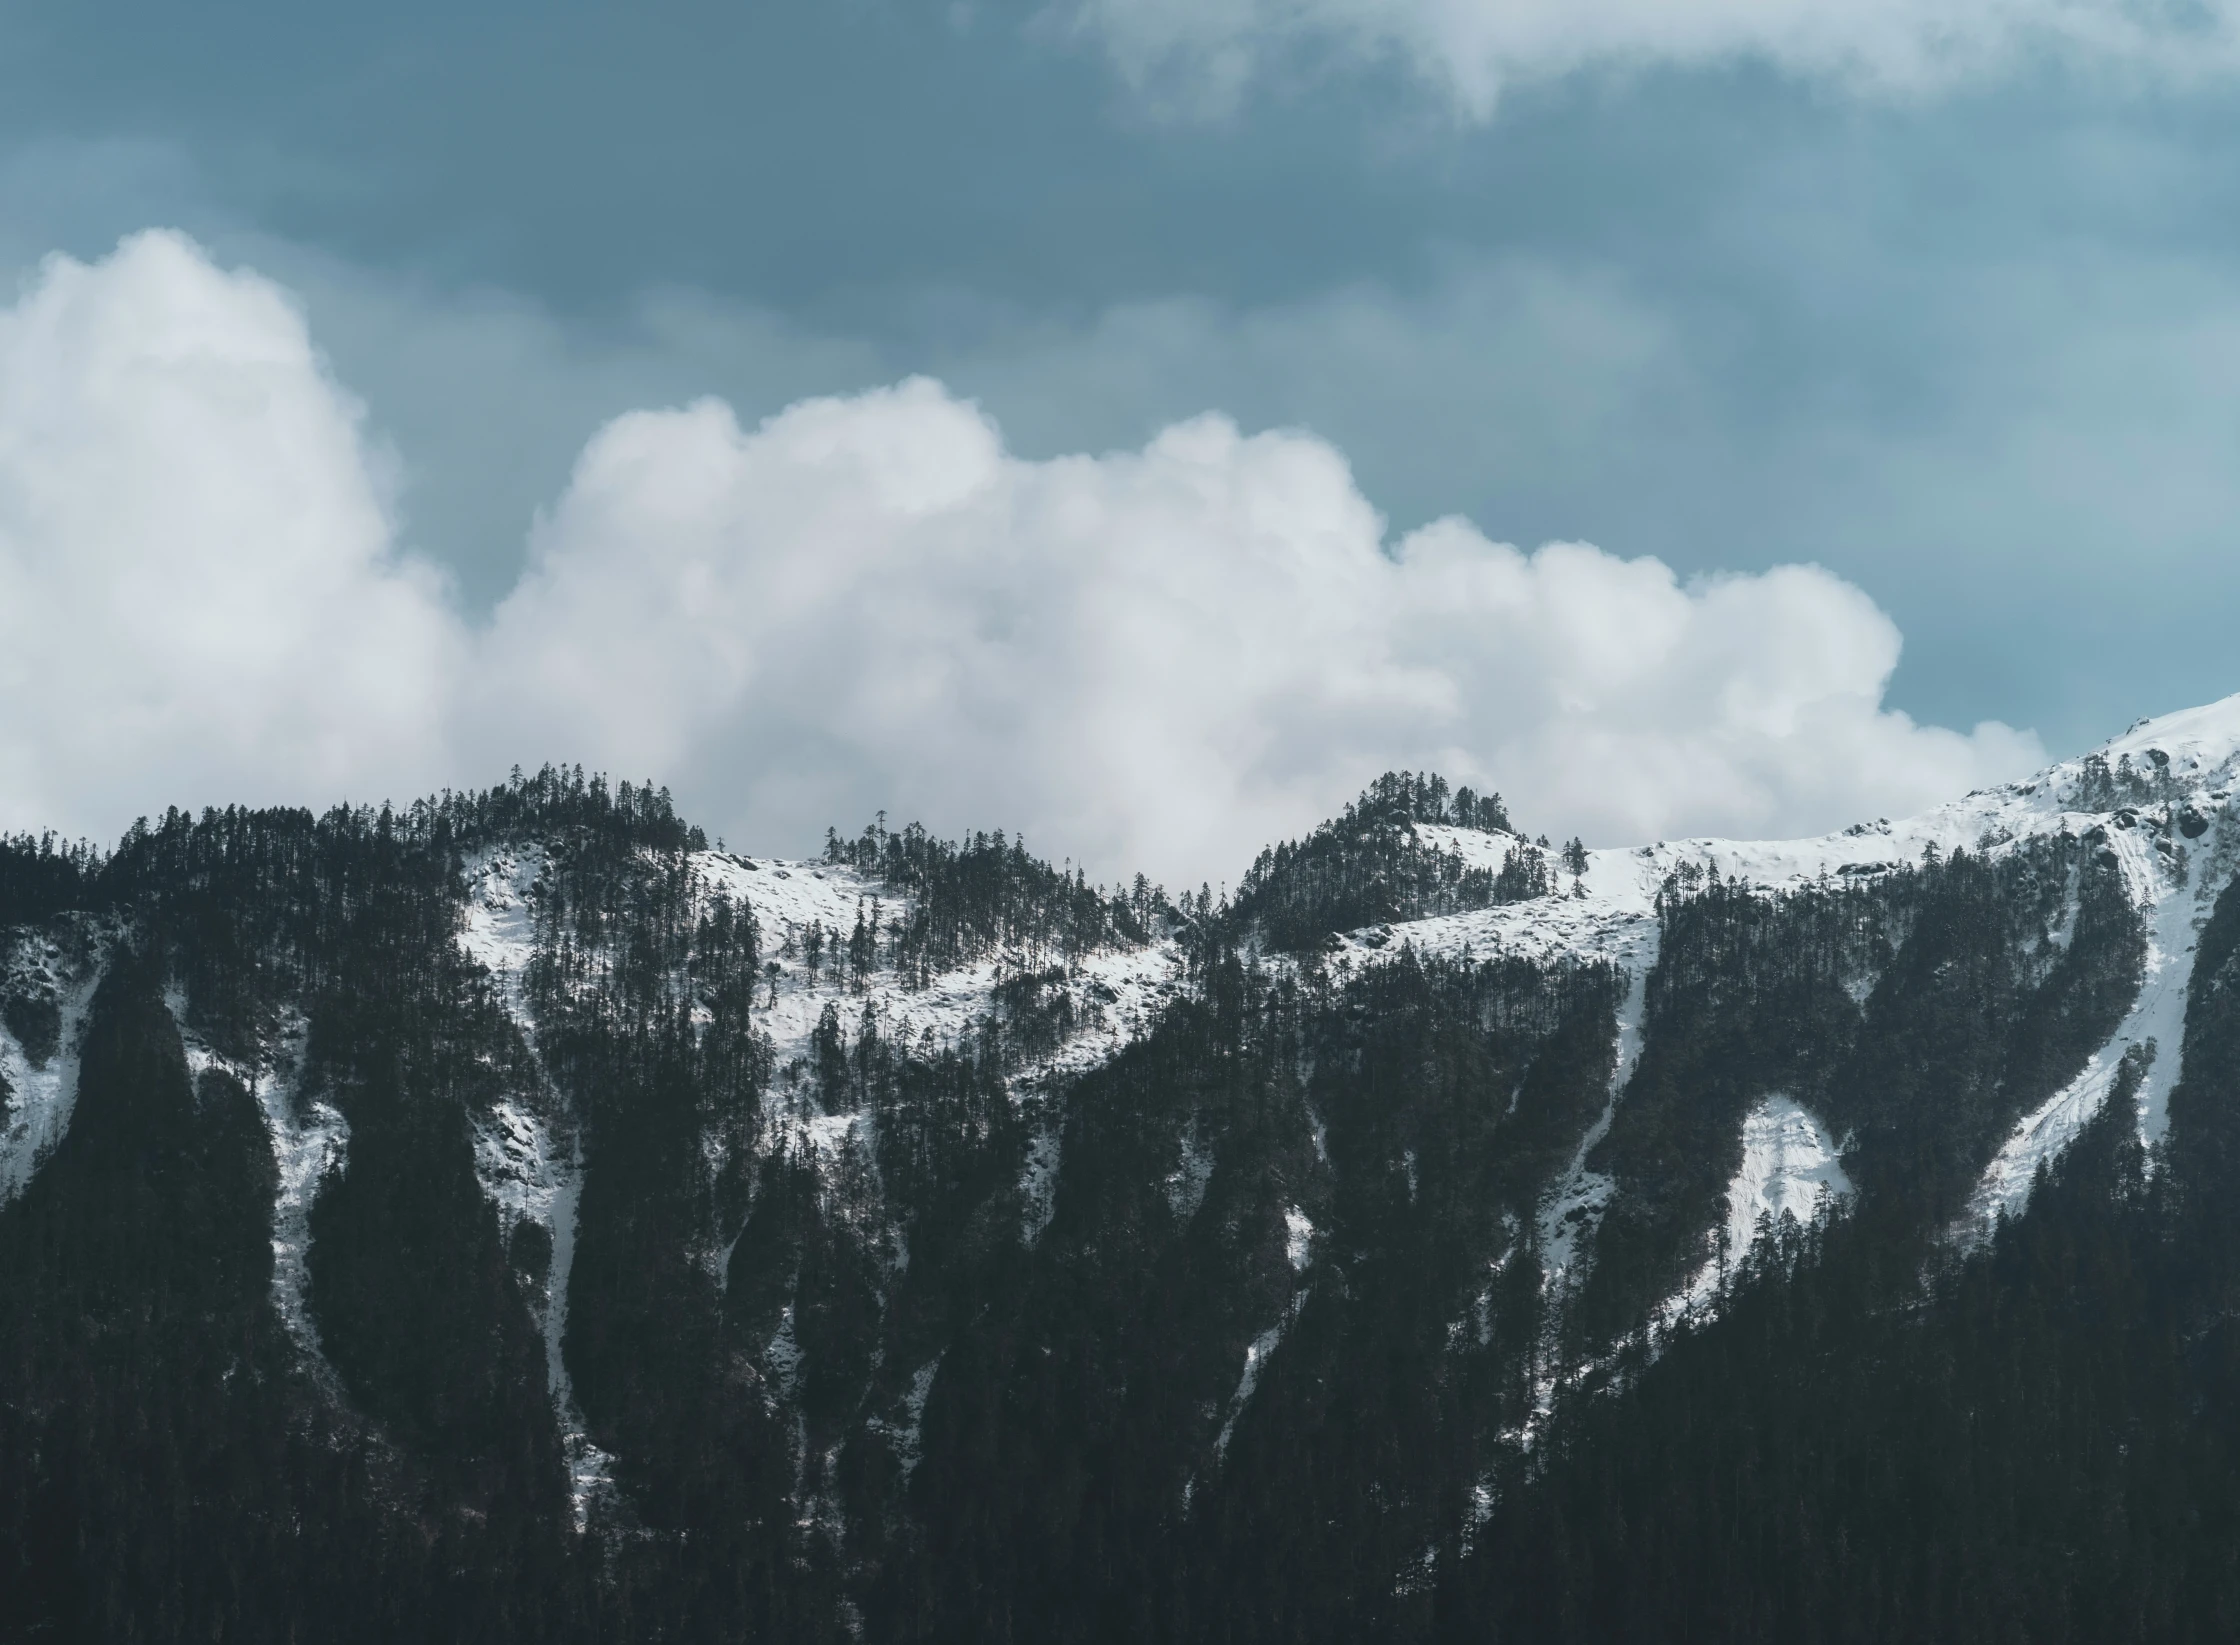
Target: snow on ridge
[(1118, 991), (2192, 755), (2174, 851), (2203, 738), (2174, 865), (1609, 917), (42, 1097), (1486, 848)]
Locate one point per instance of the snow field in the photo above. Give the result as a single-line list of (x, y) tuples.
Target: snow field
[(1116, 992), (500, 930), (1789, 1166)]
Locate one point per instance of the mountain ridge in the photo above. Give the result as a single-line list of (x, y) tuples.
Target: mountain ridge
[(920, 1242)]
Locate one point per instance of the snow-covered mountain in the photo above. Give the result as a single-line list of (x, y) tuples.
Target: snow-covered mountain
[(572, 1228), (2150, 811)]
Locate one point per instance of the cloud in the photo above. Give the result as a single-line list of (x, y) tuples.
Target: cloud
[(1203, 53), (1164, 657), (1161, 657), (199, 595)]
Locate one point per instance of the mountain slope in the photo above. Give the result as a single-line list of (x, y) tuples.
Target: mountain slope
[(648, 1241)]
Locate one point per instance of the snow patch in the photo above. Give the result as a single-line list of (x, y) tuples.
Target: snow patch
[(1038, 1184), (519, 1164), (1486, 848), (907, 1437), (528, 1171), (1116, 993), (308, 1142), (1257, 1353), (1573, 1210), (501, 925), (1185, 1185), (43, 1095), (830, 1144), (2174, 897), (533, 1176), (590, 1470), (1789, 1166)]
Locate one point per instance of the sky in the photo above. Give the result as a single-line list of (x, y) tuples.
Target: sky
[(1130, 421)]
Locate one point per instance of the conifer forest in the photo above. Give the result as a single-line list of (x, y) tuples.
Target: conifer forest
[(512, 1217)]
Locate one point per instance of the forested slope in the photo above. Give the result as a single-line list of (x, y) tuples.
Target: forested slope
[(509, 1217)]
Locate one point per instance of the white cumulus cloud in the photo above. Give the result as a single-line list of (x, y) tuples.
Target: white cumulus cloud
[(1158, 658), (1164, 657), (200, 597), (1208, 50)]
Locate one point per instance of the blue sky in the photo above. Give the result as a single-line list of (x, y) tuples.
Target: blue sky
[(1963, 336)]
